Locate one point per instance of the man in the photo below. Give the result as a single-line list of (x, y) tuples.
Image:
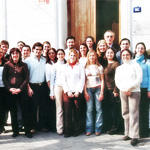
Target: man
[(5, 46), (26, 51), (20, 45), (124, 44), (70, 42), (36, 88), (109, 36), (46, 47)]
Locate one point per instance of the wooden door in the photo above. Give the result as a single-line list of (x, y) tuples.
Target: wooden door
[(81, 19)]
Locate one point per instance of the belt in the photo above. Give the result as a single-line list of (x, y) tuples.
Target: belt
[(37, 83)]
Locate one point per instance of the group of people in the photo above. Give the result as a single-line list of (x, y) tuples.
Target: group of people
[(73, 91)]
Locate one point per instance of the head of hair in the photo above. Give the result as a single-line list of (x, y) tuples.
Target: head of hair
[(5, 43), (46, 42), (47, 57), (145, 52), (114, 58), (88, 61), (58, 50), (70, 37), (28, 47), (21, 42), (124, 39), (76, 54), (37, 44), (127, 51), (15, 50), (97, 49), (110, 31), (92, 38), (85, 46)]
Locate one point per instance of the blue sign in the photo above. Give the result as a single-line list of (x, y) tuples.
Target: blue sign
[(137, 9)]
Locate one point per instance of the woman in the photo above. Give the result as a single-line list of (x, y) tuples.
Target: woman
[(90, 43), (57, 89), (128, 78), (73, 83), (83, 53), (51, 59), (94, 90), (15, 78), (101, 50), (141, 58), (3, 93), (111, 104)]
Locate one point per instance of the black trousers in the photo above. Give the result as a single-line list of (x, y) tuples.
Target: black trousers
[(2, 107), (72, 115), (144, 114), (39, 100), (112, 112), (11, 104)]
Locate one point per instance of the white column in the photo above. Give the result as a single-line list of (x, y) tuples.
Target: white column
[(3, 29), (62, 26)]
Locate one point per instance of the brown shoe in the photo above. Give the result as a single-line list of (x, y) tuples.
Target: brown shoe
[(88, 133), (125, 138), (97, 133)]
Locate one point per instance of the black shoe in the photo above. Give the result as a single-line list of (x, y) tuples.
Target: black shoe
[(2, 130), (75, 134), (67, 135), (28, 135), (125, 138), (134, 142), (15, 134)]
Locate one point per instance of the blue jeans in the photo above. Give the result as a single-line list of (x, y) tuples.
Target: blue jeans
[(94, 94)]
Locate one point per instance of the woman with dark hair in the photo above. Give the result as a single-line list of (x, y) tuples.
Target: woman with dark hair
[(83, 53), (128, 78), (94, 92), (73, 83), (111, 104), (141, 58), (3, 93), (90, 43), (56, 89), (15, 78), (51, 59)]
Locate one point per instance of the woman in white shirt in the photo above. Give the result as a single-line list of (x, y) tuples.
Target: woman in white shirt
[(73, 83), (93, 91), (128, 78), (57, 89)]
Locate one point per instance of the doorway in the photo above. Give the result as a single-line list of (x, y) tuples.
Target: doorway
[(107, 18)]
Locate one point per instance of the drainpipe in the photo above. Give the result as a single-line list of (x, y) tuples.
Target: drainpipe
[(61, 23)]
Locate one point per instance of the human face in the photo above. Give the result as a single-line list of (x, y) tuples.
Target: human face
[(109, 54), (140, 49), (89, 42), (15, 57), (126, 56), (72, 57), (4, 48), (70, 43), (102, 47), (20, 46), (92, 58), (46, 47), (1, 53), (124, 45), (51, 55), (60, 55), (37, 51), (25, 52), (109, 37), (83, 50)]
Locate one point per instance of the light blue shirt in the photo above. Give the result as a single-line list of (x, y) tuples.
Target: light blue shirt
[(37, 69)]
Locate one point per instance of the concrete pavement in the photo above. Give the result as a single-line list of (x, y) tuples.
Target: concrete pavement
[(52, 141)]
